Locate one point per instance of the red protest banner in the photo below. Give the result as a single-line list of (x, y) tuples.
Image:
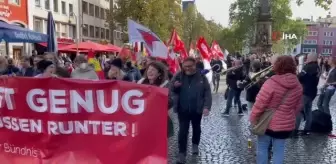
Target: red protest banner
[(64, 121)]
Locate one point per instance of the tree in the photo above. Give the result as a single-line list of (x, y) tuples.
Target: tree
[(175, 17), (244, 14), (189, 22), (325, 4), (157, 18), (162, 16)]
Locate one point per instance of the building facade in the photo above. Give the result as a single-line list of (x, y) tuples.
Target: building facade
[(321, 37), (117, 35), (187, 3), (310, 43), (14, 12), (64, 14), (94, 26)]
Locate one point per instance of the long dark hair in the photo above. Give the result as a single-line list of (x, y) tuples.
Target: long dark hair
[(162, 71)]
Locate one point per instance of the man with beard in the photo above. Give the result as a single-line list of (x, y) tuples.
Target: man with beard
[(192, 98)]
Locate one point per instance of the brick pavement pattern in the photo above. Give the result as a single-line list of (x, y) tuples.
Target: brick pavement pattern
[(224, 141)]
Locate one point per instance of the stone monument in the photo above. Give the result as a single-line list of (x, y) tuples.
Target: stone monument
[(262, 42)]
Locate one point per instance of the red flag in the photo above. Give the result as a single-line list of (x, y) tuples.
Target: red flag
[(216, 50), (206, 53), (96, 64), (178, 45), (173, 63), (204, 48)]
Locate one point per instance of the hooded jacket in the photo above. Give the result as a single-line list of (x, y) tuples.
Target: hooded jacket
[(88, 73), (269, 97)]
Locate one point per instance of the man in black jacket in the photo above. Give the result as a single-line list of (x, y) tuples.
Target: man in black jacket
[(232, 79), (192, 98), (309, 78)]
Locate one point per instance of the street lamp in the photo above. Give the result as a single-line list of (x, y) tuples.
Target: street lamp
[(72, 14)]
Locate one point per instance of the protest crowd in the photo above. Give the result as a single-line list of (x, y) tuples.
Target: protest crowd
[(279, 89)]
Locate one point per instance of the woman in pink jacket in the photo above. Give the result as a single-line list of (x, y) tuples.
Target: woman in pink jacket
[(283, 85)]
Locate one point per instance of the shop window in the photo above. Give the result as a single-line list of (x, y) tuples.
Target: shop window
[(91, 9), (70, 8), (102, 33), (64, 8), (47, 4), (85, 30), (327, 51), (38, 3), (97, 13), (56, 6), (85, 7), (58, 29), (102, 13), (64, 30), (72, 31), (38, 25), (92, 31), (107, 34), (14, 2), (97, 32), (45, 28)]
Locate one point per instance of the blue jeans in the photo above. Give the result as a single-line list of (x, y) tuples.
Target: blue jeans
[(234, 94), (324, 99), (307, 114), (278, 145)]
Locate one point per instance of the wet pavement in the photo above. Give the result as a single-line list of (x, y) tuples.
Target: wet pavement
[(224, 140)]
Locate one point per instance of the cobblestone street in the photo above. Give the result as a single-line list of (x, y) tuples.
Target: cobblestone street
[(224, 140)]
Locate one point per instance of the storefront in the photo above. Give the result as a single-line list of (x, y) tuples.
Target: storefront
[(61, 42), (15, 13)]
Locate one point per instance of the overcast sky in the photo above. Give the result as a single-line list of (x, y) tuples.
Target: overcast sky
[(219, 10)]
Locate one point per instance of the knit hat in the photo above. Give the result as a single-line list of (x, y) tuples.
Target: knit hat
[(117, 63), (43, 65)]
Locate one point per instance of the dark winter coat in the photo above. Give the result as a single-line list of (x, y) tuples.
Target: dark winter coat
[(194, 95), (309, 78)]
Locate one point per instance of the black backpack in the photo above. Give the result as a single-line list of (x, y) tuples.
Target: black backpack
[(321, 122)]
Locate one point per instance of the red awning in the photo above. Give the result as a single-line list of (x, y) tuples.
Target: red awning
[(59, 45), (88, 45)]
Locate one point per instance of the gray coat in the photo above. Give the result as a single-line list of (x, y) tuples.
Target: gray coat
[(87, 74), (198, 85)]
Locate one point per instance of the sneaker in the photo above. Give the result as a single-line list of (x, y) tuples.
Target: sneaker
[(305, 133), (226, 114), (181, 159), (195, 149), (244, 107), (240, 113)]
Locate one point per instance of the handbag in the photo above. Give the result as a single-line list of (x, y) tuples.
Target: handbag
[(264, 120)]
